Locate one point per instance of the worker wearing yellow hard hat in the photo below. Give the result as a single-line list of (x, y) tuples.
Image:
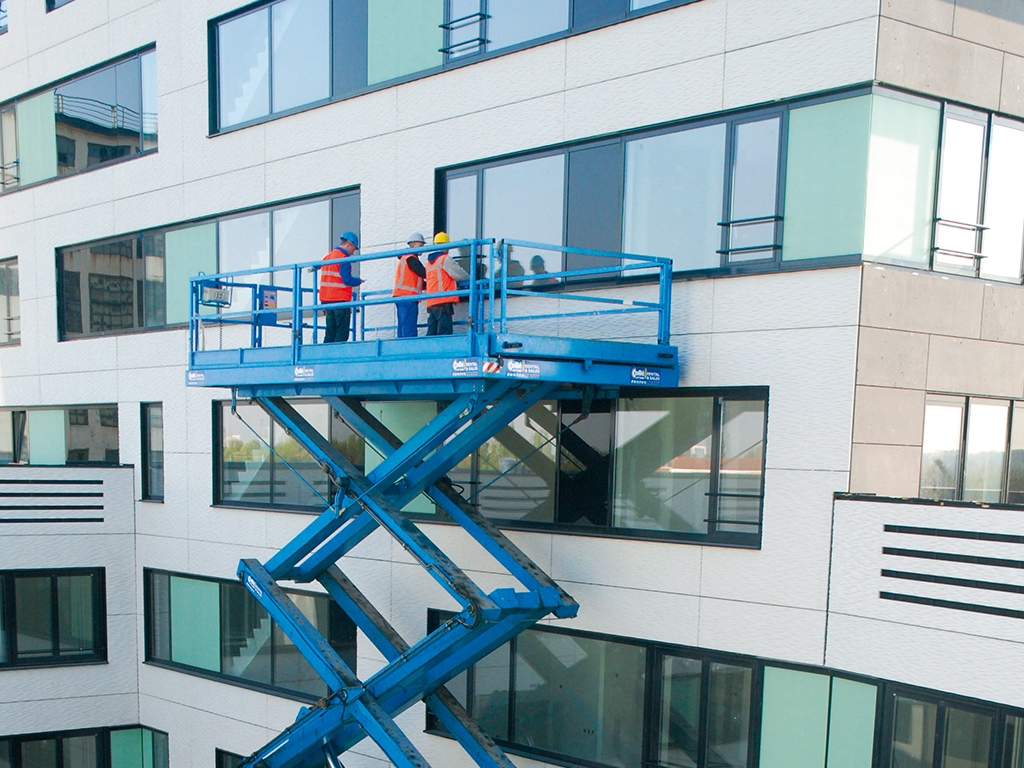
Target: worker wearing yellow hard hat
[(443, 275)]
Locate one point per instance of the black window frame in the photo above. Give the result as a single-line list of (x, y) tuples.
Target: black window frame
[(56, 659), (103, 755), (224, 759), (53, 5), (336, 619), (447, 63), (9, 335), (137, 53), (139, 237), (731, 119), (149, 464), (966, 400)]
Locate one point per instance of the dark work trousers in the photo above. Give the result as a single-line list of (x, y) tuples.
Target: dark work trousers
[(338, 322), (407, 312), (439, 319)]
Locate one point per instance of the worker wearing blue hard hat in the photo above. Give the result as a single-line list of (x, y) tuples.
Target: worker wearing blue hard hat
[(336, 284)]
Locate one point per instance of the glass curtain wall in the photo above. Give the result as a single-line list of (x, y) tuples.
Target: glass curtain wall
[(958, 227), (10, 303)]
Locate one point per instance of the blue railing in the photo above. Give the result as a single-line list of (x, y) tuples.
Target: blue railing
[(280, 297)]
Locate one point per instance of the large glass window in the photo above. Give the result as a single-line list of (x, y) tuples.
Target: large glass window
[(63, 435), (217, 626), (153, 451), (957, 229), (475, 26), (1002, 243), (703, 196), (93, 119), (671, 465), (52, 617), (129, 747), (10, 302), (273, 59), (3, 16), (933, 734), (141, 280), (973, 450)]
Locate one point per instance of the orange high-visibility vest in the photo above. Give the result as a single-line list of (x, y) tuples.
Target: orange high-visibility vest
[(439, 281), (407, 282), (331, 286)]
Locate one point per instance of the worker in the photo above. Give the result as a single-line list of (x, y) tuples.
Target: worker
[(336, 284), (443, 272), (541, 276), (410, 278)]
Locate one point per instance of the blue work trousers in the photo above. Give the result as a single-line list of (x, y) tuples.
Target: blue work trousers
[(407, 311)]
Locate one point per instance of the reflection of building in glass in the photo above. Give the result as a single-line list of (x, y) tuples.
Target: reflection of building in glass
[(91, 132)]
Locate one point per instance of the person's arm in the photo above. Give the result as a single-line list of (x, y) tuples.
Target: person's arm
[(417, 268), (345, 270), (457, 273)]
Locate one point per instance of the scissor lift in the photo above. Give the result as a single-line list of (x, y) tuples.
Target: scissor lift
[(485, 377)]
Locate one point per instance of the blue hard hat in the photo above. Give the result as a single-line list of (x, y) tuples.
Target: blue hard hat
[(352, 237)]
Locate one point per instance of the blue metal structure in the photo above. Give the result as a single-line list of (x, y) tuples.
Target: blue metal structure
[(485, 378)]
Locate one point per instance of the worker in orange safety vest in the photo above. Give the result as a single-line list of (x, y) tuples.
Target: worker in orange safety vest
[(410, 279), (336, 284), (443, 274)]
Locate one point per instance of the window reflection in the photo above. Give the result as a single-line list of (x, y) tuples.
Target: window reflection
[(913, 741), (516, 21), (956, 234), (728, 716), (1013, 743), (1003, 241), (754, 185), (940, 452), (967, 739), (243, 60), (10, 302), (673, 198), (740, 463), (244, 243), (679, 724), (301, 54), (986, 450)]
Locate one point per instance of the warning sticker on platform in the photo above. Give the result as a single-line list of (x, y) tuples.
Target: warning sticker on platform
[(304, 372), (645, 376), (465, 366), (492, 366), (522, 369), (195, 379)]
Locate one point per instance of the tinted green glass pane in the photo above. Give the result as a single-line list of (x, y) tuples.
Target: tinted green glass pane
[(403, 36), (195, 623), (1013, 744), (794, 719), (728, 716), (131, 748), (490, 692), (37, 138), (46, 437), (188, 252), (404, 419), (826, 179), (33, 616), (901, 181), (851, 735)]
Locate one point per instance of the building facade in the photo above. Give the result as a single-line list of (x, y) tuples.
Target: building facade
[(807, 555)]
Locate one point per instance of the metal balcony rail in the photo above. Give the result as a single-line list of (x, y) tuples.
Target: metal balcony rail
[(9, 174), (468, 45), (287, 296), (746, 249), (105, 115)]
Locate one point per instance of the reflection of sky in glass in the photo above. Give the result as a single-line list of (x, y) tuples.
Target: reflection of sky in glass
[(892, 182), (523, 201), (960, 184), (986, 427), (515, 21), (302, 56), (301, 233), (461, 208), (243, 58), (1004, 204), (942, 428)]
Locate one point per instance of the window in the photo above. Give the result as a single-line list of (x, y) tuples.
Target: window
[(131, 747), (141, 280), (979, 226), (52, 617), (933, 734), (973, 450), (685, 466), (227, 759), (153, 451), (3, 16), (58, 436), (52, 5), (567, 695), (705, 196), (88, 120), (288, 54), (217, 627), (10, 304), (250, 474)]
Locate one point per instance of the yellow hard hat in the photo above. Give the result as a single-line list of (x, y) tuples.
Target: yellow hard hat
[(441, 237)]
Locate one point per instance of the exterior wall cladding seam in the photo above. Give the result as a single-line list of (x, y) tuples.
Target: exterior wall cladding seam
[(793, 332)]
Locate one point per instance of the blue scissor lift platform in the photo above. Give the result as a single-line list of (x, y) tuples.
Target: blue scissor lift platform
[(483, 377)]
